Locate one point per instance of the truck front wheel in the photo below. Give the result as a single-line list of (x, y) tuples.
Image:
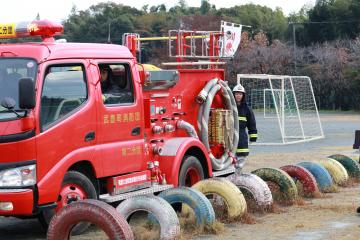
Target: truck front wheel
[(191, 171), (75, 186)]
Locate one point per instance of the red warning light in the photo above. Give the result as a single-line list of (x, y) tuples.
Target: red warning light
[(42, 28)]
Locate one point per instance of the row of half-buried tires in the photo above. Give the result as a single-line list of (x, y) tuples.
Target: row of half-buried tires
[(114, 221), (159, 207), (319, 176), (313, 176)]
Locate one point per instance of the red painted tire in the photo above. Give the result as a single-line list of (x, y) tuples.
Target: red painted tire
[(304, 176), (99, 213)]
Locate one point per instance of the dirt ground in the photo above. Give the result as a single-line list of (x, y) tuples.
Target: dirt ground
[(331, 217)]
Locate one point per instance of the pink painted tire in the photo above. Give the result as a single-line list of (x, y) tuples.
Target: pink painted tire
[(99, 213), (304, 176)]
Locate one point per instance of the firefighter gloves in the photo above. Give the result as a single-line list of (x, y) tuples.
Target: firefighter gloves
[(253, 137)]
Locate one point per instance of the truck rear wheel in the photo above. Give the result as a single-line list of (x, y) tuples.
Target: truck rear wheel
[(75, 186), (191, 171)]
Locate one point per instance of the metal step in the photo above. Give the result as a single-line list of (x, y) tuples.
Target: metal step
[(229, 170), (115, 198)]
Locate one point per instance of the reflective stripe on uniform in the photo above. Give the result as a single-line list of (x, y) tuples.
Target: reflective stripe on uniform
[(254, 135), (242, 119), (242, 150)]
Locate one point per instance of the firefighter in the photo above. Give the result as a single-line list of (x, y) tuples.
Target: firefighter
[(106, 78), (246, 120)]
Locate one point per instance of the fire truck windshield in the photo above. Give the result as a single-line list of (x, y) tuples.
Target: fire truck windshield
[(11, 71)]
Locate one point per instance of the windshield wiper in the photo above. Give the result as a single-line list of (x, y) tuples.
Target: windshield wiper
[(9, 104)]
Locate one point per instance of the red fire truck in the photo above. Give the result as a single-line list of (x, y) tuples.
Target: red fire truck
[(66, 133)]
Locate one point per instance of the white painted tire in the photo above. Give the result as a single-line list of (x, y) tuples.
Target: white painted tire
[(257, 187), (159, 208)]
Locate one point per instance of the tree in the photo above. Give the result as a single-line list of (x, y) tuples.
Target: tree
[(205, 7), (333, 19)]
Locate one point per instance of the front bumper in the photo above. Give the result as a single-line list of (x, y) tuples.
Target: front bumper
[(22, 201)]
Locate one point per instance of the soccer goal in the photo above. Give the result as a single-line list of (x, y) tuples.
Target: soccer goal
[(284, 107)]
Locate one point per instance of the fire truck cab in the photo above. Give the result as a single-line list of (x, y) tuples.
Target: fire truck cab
[(81, 120)]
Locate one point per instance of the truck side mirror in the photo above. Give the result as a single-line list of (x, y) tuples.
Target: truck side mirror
[(26, 93)]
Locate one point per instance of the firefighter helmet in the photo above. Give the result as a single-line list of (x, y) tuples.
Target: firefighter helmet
[(239, 88)]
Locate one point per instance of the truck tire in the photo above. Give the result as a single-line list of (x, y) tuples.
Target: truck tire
[(321, 175), (232, 196), (282, 179), (158, 207), (191, 171), (304, 176), (99, 213), (351, 166), (336, 170), (258, 189), (78, 187), (204, 212)]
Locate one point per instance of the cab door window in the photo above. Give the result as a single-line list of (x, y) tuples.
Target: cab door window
[(64, 91), (116, 84)]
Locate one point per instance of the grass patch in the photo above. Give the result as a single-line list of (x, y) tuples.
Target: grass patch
[(190, 229), (332, 189), (145, 230)]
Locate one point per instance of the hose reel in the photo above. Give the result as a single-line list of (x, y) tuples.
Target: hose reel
[(205, 98)]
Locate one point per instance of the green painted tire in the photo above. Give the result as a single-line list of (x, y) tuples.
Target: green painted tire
[(351, 166), (282, 179)]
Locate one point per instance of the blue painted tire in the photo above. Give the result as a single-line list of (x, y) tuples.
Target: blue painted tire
[(322, 176), (196, 200)]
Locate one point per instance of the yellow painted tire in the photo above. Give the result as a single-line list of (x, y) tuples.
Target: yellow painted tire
[(336, 170), (232, 196)]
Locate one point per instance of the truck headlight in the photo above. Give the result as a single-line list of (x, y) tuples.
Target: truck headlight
[(18, 177)]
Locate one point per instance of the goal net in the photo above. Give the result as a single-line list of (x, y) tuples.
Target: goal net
[(284, 107)]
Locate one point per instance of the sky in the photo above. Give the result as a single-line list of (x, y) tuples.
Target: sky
[(27, 10)]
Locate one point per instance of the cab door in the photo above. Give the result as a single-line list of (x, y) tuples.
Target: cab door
[(120, 133)]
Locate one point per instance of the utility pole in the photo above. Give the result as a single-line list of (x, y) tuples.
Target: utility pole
[(109, 35), (294, 40)]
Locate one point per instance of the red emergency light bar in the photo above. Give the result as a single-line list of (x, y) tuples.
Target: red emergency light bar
[(42, 28)]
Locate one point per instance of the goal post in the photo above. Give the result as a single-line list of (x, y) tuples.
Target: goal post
[(284, 107)]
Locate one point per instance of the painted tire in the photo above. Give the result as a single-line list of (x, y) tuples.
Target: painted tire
[(202, 207), (282, 179), (232, 196), (304, 176), (159, 208), (320, 173), (89, 210), (258, 189), (351, 166), (336, 170)]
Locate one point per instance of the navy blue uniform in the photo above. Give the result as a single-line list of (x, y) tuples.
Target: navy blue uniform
[(246, 120)]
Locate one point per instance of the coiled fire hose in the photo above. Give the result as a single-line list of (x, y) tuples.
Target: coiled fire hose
[(205, 98)]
